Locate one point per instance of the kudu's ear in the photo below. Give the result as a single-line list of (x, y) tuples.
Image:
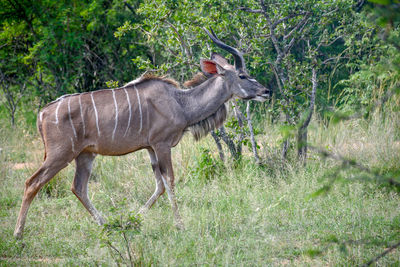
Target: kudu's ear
[(210, 67), (222, 61)]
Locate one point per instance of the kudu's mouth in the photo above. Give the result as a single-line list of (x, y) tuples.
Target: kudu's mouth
[(261, 98), (266, 94)]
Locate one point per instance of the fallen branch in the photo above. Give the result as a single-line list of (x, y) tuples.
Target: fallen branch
[(383, 254)]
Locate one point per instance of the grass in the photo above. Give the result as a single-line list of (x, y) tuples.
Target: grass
[(240, 215)]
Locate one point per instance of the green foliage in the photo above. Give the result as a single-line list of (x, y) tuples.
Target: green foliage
[(118, 235), (242, 215), (334, 211), (58, 187), (65, 47), (112, 84), (122, 223), (206, 167)]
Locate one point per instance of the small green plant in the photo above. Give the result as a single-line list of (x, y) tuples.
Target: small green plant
[(57, 187), (206, 166), (118, 235), (112, 84)]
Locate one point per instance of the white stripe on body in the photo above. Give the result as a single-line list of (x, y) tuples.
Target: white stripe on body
[(96, 115), (70, 119), (58, 106), (83, 120), (116, 114), (130, 112), (140, 108), (73, 145)]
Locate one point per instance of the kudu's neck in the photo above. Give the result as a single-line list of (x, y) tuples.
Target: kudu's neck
[(205, 99)]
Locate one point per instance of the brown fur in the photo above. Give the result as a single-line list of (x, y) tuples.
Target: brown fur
[(123, 120), (197, 79), (203, 127), (147, 76)]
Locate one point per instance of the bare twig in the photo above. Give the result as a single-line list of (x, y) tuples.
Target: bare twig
[(181, 40), (293, 15), (115, 249), (299, 27), (333, 59), (217, 140), (253, 140), (127, 247), (130, 7), (287, 36), (386, 251), (228, 141), (246, 9), (346, 162)]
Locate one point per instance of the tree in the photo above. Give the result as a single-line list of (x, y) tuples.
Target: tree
[(61, 47), (300, 34)]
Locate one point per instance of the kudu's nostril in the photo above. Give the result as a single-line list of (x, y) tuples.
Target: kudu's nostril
[(266, 92)]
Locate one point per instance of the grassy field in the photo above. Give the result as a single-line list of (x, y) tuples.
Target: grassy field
[(234, 215)]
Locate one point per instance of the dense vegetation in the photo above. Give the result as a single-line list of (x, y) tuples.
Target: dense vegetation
[(323, 188)]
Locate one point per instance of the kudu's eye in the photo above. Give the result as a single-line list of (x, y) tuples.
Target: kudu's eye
[(242, 76)]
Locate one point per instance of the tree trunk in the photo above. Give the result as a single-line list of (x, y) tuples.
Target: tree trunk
[(228, 141), (302, 144), (285, 148), (253, 140), (302, 133), (217, 140)]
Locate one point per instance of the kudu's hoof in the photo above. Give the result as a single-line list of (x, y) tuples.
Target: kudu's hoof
[(101, 221), (143, 210), (180, 226), (18, 235)]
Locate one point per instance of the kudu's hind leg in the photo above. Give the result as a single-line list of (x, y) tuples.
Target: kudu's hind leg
[(163, 155), (50, 167), (160, 189), (84, 164)]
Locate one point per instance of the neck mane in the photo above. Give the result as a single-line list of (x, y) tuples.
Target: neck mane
[(204, 104)]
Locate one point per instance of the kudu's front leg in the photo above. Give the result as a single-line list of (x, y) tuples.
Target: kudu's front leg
[(163, 156), (80, 186), (160, 189)]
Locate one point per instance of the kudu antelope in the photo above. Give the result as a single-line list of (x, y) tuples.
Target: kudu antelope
[(148, 113)]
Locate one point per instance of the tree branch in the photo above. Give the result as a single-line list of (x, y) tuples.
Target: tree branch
[(302, 132), (228, 141), (272, 29), (217, 140), (252, 138), (301, 24), (293, 15), (130, 7), (246, 9), (181, 40), (386, 251)]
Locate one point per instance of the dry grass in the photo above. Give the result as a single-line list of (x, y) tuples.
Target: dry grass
[(245, 214)]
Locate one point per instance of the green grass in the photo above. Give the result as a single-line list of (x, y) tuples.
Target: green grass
[(240, 215)]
